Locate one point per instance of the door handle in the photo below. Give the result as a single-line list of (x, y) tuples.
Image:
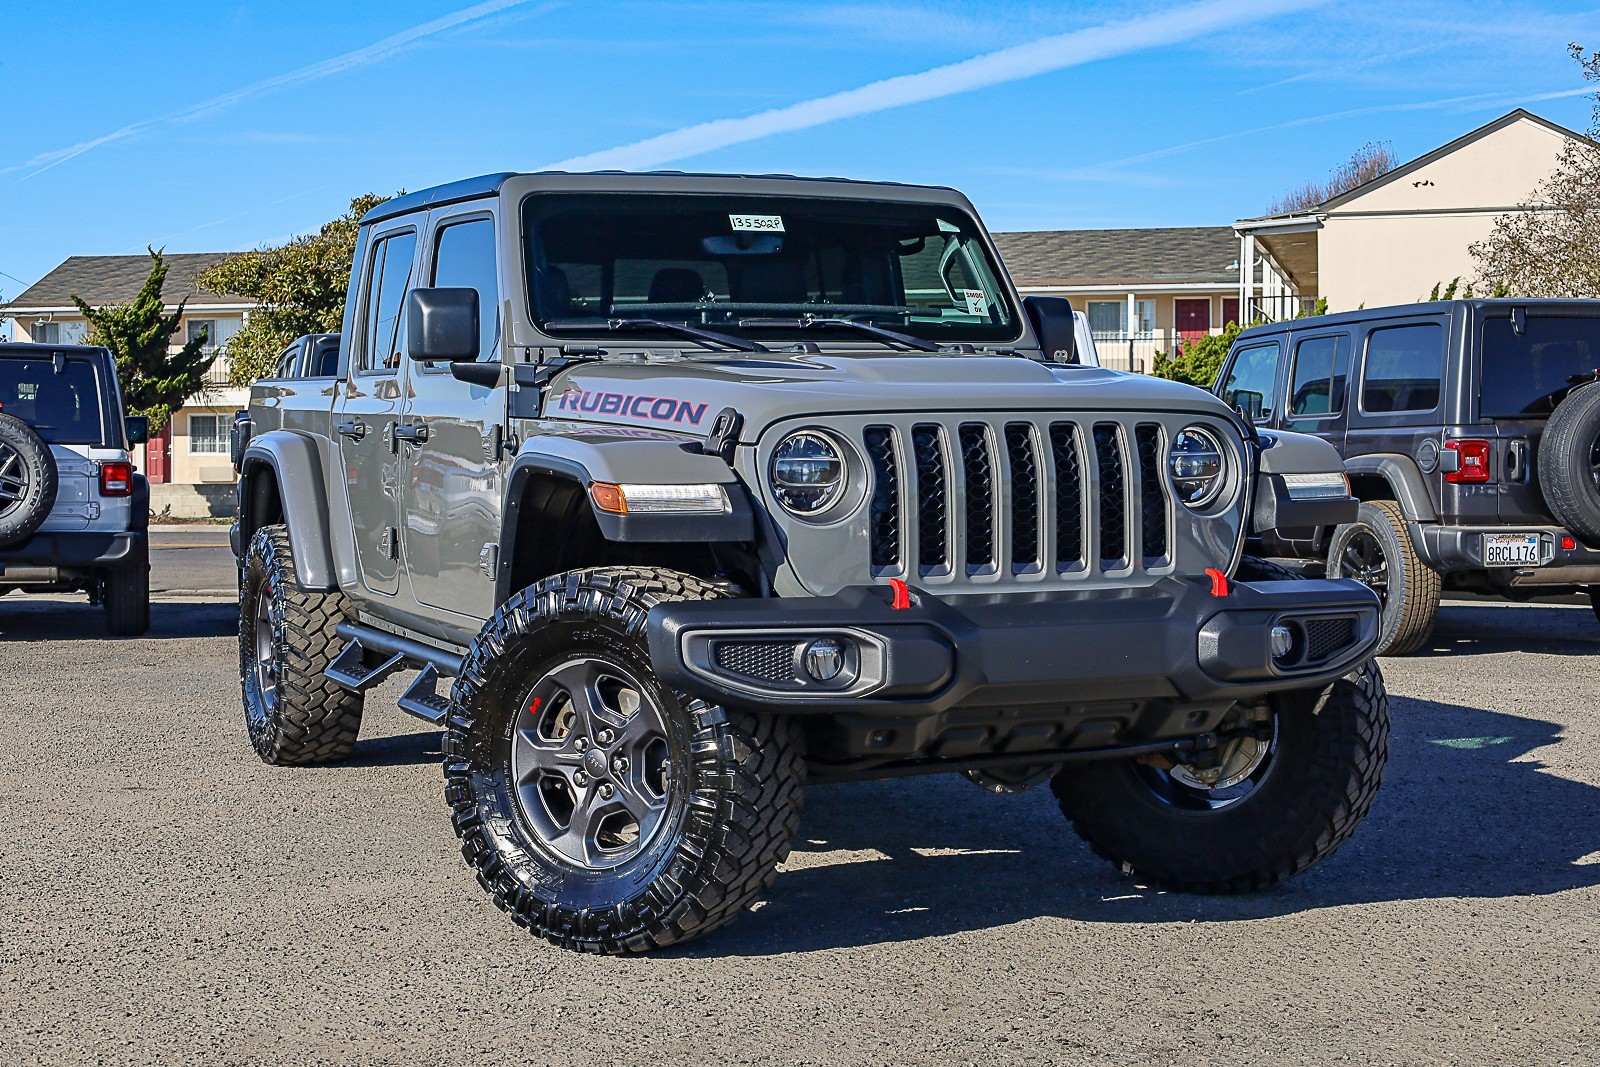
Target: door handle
[(415, 433), (354, 430)]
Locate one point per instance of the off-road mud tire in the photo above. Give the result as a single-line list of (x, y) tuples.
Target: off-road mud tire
[(735, 800), (314, 720), (127, 599), (25, 454), (1331, 749), (1411, 604), (1568, 452)]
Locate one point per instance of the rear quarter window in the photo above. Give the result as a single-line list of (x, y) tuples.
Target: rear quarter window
[(1403, 369)]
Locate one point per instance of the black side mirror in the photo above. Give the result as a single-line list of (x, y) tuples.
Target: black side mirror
[(474, 373), (442, 325), (136, 428), (1057, 330)]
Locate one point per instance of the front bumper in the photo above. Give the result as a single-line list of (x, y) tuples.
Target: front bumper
[(1454, 549), (1173, 642), (78, 551)]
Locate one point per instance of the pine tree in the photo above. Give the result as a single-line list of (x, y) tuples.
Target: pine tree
[(154, 383)]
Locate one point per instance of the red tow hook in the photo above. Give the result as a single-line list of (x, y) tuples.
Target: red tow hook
[(1219, 581), (902, 594)]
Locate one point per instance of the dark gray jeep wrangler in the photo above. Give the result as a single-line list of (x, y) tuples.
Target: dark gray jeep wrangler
[(704, 487)]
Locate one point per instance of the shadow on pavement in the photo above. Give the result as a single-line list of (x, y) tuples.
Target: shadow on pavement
[(1471, 629), (402, 750), (1456, 817), (28, 618)]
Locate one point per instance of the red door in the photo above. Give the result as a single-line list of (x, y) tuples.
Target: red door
[(1230, 309), (1192, 318), (158, 456)]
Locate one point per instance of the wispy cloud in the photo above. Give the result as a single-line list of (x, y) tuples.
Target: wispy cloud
[(361, 57), (1042, 56)]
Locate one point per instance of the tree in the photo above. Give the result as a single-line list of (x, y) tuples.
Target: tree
[(1550, 245), (154, 382), (1197, 361), (1372, 160), (299, 288)]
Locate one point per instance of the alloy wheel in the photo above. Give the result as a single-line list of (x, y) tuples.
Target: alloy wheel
[(266, 654), (1235, 771), (1363, 559), (13, 477)]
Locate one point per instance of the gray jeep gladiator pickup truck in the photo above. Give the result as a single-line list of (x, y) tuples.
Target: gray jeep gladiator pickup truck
[(73, 512), (702, 487)]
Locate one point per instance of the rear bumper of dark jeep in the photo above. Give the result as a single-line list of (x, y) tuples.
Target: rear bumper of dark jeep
[(1456, 549), (78, 551), (1015, 673)]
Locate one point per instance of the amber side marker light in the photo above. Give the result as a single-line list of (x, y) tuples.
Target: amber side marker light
[(608, 497)]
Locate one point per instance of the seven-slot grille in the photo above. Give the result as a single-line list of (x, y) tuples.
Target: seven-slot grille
[(1017, 496)]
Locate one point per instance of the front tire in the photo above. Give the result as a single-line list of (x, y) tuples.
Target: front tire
[(1376, 550), (1282, 798), (295, 714), (602, 810)]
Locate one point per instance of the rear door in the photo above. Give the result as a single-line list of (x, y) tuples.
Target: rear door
[(1400, 397), (453, 487), (371, 402)]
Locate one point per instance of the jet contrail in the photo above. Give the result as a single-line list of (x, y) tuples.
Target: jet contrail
[(361, 57), (995, 68)]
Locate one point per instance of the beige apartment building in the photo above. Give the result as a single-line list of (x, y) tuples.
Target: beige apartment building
[(1391, 240), (193, 449)]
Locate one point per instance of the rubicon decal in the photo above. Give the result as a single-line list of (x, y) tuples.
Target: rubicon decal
[(655, 408)]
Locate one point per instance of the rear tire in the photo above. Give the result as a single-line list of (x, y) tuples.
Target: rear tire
[(602, 810), (1376, 550), (295, 714), (127, 600), (27, 481), (1569, 464), (1313, 788)]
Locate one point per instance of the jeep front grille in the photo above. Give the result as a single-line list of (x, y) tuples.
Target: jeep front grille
[(1027, 495)]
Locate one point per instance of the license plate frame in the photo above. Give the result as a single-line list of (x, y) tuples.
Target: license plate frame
[(1513, 550)]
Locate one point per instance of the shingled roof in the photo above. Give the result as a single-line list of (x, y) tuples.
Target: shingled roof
[(104, 280), (1148, 257)]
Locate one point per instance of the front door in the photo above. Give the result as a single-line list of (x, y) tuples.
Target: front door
[(1192, 318), (370, 407), (454, 485)]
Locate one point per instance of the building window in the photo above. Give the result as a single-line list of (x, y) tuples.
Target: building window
[(217, 332), (59, 333), (1108, 319), (47, 333), (208, 436), (1145, 311)]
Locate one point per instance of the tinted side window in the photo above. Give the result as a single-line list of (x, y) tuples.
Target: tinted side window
[(1318, 386), (386, 285), (1252, 380), (1403, 368), (464, 259)]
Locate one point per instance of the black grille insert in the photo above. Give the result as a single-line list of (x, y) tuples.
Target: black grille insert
[(1113, 493), (979, 473), (769, 661), (1069, 494), (885, 515), (1326, 638), (1024, 496), (1152, 500), (933, 535)]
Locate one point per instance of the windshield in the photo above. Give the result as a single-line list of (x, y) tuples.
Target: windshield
[(63, 407), (762, 268), (1528, 374)]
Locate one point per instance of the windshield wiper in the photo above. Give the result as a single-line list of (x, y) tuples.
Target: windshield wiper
[(809, 321), (708, 338)]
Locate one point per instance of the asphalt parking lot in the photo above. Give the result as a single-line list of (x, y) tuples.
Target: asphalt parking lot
[(169, 899)]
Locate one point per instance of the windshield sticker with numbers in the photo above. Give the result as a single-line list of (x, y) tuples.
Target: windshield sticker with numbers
[(757, 223)]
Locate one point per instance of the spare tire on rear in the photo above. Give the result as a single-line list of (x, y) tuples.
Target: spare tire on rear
[(27, 480), (1569, 463)]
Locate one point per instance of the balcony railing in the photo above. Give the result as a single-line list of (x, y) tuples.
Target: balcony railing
[(1137, 352)]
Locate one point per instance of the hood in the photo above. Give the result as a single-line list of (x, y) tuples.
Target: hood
[(686, 394)]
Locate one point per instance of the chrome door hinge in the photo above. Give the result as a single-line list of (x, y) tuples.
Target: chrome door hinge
[(389, 544), (489, 559)]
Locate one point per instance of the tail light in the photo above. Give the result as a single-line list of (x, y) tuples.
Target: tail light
[(116, 479), (1473, 467)]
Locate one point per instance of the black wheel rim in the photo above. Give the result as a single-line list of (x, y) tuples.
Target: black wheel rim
[(1363, 559), (590, 764), (1241, 765), (13, 477), (1594, 463)]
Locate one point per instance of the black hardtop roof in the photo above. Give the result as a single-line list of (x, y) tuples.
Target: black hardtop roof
[(1432, 307), (490, 185), (36, 351)]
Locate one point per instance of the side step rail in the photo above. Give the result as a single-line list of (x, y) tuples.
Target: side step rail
[(358, 670), (423, 699)]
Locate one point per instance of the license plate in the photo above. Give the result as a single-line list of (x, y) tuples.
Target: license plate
[(1511, 550)]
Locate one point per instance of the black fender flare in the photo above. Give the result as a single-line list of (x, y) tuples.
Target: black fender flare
[(1403, 476), (292, 461)]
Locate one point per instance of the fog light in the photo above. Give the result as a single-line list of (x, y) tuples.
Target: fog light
[(824, 659), (1282, 641)]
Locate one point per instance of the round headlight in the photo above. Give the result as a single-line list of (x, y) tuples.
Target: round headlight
[(1197, 468), (808, 472)]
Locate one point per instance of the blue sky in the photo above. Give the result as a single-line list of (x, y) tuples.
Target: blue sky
[(215, 126)]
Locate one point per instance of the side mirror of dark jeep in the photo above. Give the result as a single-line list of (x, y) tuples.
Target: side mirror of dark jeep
[(136, 428), (474, 373), (442, 325), (1051, 317)]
